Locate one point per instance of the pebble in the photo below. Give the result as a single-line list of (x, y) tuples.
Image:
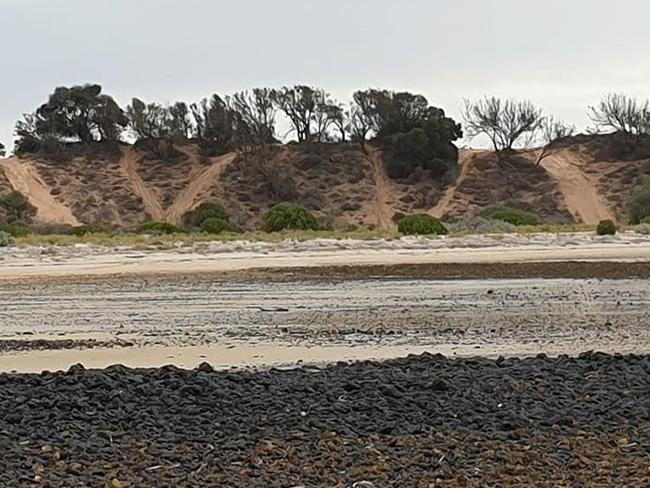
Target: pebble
[(418, 421)]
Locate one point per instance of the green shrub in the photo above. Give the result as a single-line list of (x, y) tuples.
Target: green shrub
[(49, 228), (288, 216), (208, 210), (16, 207), (421, 224), (606, 228), (15, 229), (416, 151), (646, 220), (159, 228), (643, 229), (513, 216), (640, 205), (5, 239), (82, 230), (213, 225), (480, 225)]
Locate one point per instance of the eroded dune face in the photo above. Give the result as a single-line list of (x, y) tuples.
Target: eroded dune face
[(575, 183)]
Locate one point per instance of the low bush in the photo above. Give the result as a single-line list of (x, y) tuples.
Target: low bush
[(213, 225), (48, 228), (82, 230), (16, 207), (646, 220), (421, 224), (208, 210), (159, 228), (15, 229), (336, 224), (513, 216), (5, 239), (480, 225), (640, 205), (643, 229), (289, 216), (606, 228)]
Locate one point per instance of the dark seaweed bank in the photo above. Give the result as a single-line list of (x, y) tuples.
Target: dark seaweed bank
[(422, 421)]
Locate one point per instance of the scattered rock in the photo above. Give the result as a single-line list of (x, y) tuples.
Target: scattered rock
[(420, 421)]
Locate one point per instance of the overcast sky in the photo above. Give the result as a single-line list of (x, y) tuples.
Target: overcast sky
[(562, 54)]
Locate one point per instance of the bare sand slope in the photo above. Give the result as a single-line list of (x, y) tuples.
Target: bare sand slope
[(150, 200), (579, 190), (464, 160), (567, 185), (24, 177), (383, 192), (198, 189)]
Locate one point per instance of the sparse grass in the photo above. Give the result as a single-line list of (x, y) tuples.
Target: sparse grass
[(555, 228), (140, 241), (162, 242)]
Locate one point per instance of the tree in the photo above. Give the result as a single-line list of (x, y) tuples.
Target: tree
[(429, 147), (2, 150), (400, 113), (412, 133), (310, 111), (159, 127), (77, 114), (324, 117), (29, 138), (83, 114), (254, 116), (338, 118), (373, 105), (181, 120), (620, 113), (552, 131), (213, 125), (360, 121), (505, 122), (298, 104), (149, 121), (389, 113)]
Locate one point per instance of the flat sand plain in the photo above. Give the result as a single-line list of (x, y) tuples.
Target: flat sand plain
[(251, 304)]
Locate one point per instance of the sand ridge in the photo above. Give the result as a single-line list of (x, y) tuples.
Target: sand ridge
[(339, 181)]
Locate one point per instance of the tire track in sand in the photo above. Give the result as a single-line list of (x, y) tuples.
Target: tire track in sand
[(442, 207), (150, 198), (383, 193), (195, 192)]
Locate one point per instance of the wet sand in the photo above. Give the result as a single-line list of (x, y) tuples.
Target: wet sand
[(224, 357), (185, 322), (239, 304)]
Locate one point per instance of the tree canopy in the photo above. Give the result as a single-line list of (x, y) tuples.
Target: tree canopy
[(413, 133), (504, 122), (620, 113), (77, 114), (311, 111)]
